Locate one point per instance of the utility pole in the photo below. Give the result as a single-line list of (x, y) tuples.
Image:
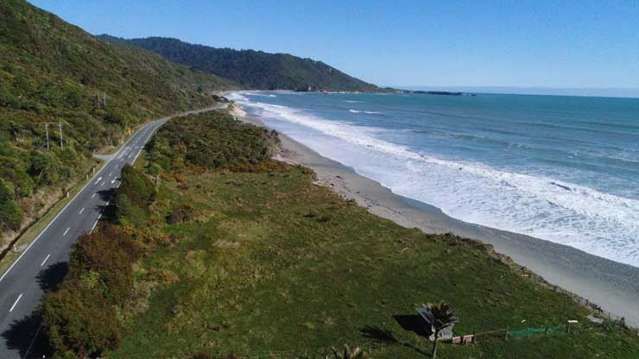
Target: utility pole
[(100, 100), (61, 143), (46, 129)]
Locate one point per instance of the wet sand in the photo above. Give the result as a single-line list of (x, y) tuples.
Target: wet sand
[(612, 286)]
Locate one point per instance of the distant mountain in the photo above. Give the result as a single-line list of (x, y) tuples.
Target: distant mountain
[(53, 72), (253, 69)]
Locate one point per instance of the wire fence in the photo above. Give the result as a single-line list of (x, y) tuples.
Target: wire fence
[(512, 333), (527, 332)]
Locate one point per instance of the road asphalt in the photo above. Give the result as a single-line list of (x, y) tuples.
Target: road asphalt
[(44, 262)]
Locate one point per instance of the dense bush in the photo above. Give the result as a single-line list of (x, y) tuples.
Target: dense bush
[(212, 140), (81, 315), (136, 186), (134, 196), (79, 322), (10, 212)]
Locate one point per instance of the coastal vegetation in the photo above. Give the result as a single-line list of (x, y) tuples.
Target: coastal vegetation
[(253, 69), (65, 94), (82, 315), (229, 252), (211, 143)]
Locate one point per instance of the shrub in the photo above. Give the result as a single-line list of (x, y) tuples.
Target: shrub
[(10, 212), (212, 140), (137, 187), (109, 253), (80, 317), (80, 322), (13, 170), (134, 196), (180, 214), (45, 168)]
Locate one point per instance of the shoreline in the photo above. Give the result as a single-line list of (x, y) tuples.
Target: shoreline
[(609, 285)]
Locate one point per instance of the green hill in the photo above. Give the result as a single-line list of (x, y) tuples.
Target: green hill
[(51, 71), (253, 69)]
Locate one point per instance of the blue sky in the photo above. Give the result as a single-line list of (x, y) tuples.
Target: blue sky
[(566, 44)]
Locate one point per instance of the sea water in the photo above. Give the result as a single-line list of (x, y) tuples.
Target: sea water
[(560, 168)]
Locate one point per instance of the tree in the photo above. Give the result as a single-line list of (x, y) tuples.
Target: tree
[(348, 353), (440, 316), (80, 322)]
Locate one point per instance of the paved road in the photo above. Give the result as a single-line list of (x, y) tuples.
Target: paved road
[(43, 263)]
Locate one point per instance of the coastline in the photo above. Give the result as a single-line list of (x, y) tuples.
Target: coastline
[(611, 286)]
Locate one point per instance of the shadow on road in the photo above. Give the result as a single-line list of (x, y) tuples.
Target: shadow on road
[(25, 336), (106, 194), (108, 212), (50, 278)]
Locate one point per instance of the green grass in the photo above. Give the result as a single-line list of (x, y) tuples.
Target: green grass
[(270, 263)]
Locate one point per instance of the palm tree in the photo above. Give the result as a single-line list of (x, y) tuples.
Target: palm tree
[(348, 353), (440, 316)]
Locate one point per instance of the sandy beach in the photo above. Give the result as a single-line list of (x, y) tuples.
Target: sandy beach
[(612, 286)]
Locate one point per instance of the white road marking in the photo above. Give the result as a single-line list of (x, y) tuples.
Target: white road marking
[(93, 195), (98, 181), (99, 216), (15, 303), (117, 154), (67, 231), (82, 210), (113, 181), (110, 173), (45, 260), (94, 224)]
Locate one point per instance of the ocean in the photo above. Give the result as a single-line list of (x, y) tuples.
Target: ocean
[(560, 168)]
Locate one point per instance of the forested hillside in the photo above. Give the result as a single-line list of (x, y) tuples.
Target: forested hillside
[(253, 69), (55, 74)]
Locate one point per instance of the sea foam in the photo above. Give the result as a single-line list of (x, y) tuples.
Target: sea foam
[(599, 223), (366, 112)]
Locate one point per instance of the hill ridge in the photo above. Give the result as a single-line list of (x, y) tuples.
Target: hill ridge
[(52, 71), (254, 69)]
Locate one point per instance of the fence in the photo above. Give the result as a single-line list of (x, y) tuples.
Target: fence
[(527, 332), (508, 333)]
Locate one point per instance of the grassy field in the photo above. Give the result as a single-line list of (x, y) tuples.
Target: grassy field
[(268, 264)]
